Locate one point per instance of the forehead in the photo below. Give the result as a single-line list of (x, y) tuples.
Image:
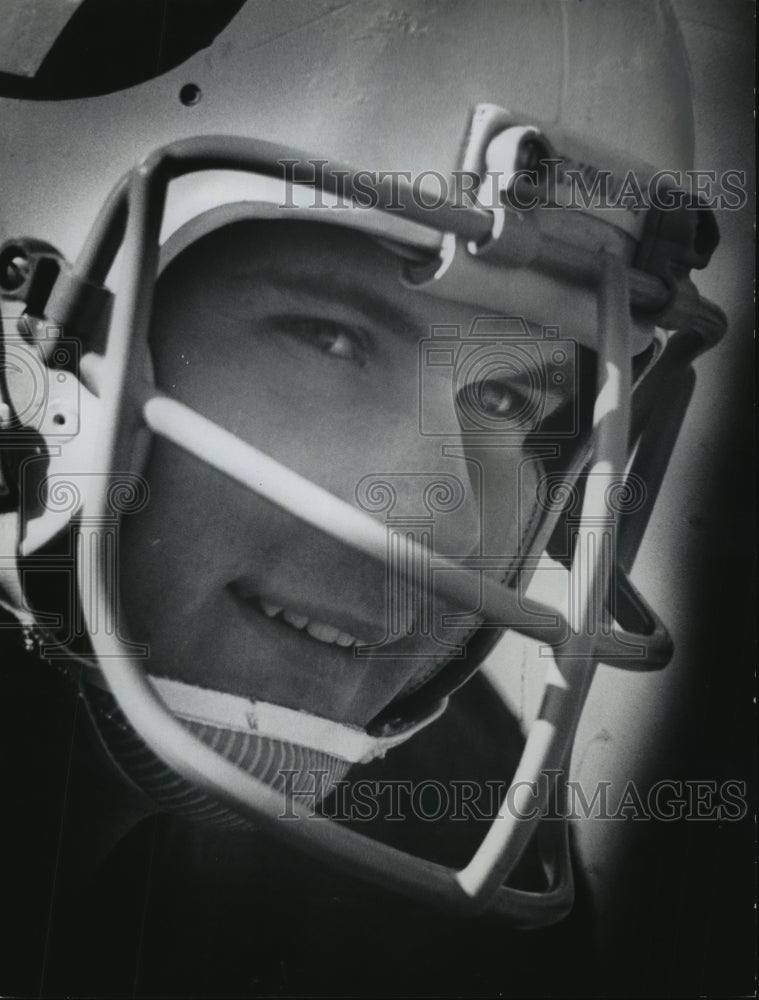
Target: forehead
[(253, 265), (264, 250)]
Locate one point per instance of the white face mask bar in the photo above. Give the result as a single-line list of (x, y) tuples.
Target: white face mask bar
[(128, 404)]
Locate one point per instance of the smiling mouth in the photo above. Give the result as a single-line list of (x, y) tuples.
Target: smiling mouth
[(328, 634)]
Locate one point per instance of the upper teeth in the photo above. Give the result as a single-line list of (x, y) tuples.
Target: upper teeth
[(325, 633)]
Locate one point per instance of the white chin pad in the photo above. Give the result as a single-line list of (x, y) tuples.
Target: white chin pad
[(261, 718)]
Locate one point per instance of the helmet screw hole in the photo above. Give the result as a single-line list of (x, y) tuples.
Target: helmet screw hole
[(59, 419), (190, 94)]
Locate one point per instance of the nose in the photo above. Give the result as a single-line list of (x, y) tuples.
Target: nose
[(439, 506)]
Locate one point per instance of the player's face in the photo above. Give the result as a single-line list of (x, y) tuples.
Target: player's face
[(302, 341)]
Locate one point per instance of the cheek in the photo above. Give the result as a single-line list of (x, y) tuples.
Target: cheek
[(328, 421), (178, 549)]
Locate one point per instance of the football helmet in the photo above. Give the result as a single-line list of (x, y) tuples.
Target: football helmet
[(526, 160)]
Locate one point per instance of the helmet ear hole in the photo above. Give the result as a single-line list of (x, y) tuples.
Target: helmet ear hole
[(28, 269), (532, 154), (14, 269)]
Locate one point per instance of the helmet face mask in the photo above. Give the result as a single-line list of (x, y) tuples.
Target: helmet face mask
[(293, 396)]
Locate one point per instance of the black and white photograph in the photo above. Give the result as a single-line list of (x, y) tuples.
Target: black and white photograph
[(377, 498)]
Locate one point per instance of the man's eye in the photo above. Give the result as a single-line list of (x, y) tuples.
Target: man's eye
[(499, 399), (338, 344), (328, 337)]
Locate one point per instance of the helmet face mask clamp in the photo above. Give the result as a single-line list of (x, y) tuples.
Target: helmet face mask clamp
[(610, 286)]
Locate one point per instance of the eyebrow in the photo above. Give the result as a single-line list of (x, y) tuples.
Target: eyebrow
[(374, 307)]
